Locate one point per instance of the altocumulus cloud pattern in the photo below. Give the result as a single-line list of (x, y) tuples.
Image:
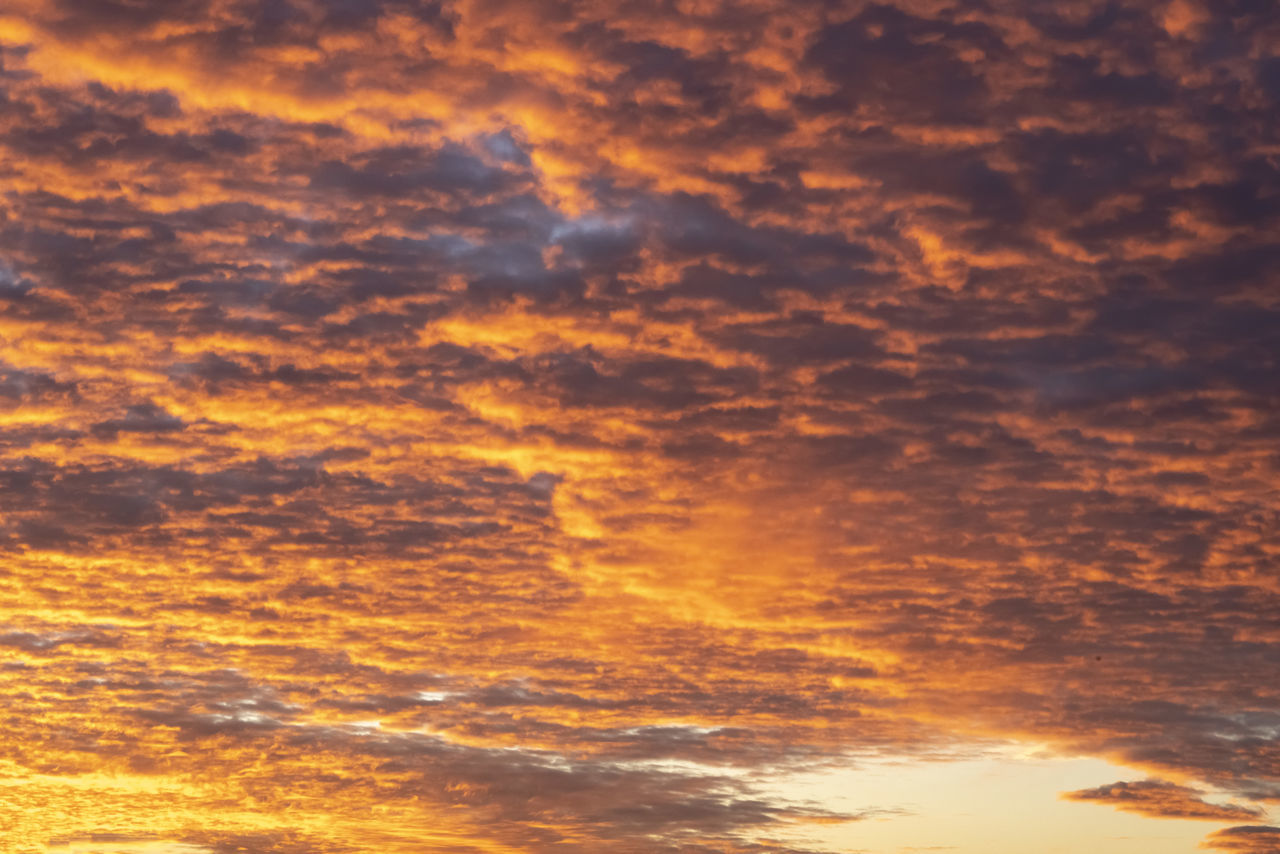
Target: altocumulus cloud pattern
[(526, 426)]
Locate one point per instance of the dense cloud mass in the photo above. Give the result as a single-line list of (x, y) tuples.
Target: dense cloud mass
[(488, 426)]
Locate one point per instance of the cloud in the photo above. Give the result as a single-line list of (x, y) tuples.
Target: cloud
[(1163, 800), (1246, 838), (537, 424)]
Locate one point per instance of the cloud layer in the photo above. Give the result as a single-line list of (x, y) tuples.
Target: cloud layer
[(482, 426)]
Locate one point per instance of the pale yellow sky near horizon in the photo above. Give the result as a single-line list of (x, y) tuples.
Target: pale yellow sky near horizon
[(1006, 804)]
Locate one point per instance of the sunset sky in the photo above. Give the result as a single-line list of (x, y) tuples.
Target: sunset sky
[(639, 426)]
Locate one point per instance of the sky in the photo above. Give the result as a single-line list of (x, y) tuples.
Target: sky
[(663, 427)]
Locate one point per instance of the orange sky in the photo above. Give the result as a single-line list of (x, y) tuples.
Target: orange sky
[(682, 427)]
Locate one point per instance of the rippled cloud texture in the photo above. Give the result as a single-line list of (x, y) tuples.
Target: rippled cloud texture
[(495, 426)]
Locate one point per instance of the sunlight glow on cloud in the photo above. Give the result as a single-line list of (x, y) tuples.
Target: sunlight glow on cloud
[(107, 844)]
